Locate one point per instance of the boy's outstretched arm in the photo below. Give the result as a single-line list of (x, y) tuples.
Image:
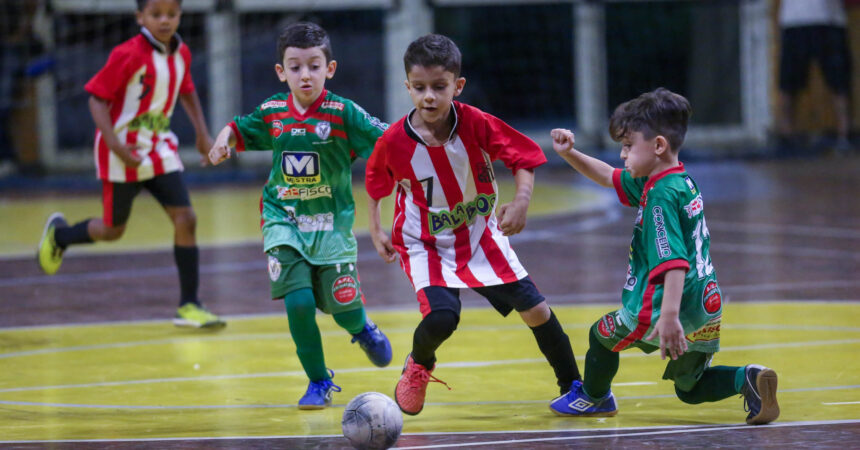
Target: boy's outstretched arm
[(593, 168), (512, 216), (668, 327), (100, 110), (221, 148), (380, 238), (191, 104)]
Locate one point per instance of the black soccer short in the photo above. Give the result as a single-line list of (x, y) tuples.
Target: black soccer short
[(825, 44), (521, 295), (168, 189)]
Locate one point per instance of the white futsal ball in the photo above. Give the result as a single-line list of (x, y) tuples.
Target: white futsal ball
[(372, 421)]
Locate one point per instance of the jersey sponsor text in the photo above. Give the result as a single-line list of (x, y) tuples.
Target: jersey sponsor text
[(462, 213), (300, 167)]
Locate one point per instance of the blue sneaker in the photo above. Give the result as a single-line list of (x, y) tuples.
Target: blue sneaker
[(577, 403), (759, 391), (374, 343), (318, 395)]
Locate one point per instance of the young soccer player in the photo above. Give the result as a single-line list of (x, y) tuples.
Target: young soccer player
[(132, 100), (307, 204), (445, 226), (671, 299)]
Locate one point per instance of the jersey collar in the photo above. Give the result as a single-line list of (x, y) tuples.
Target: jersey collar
[(653, 180), (174, 43), (410, 131), (312, 109)]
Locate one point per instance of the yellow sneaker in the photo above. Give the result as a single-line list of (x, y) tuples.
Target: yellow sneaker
[(49, 254), (195, 316)]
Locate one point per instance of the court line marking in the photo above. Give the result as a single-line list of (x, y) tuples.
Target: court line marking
[(452, 365), (678, 428), (339, 405), (260, 264), (840, 403), (612, 435), (286, 336), (550, 298)]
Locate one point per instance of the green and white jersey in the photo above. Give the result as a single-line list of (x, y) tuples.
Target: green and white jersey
[(669, 233), (307, 202)]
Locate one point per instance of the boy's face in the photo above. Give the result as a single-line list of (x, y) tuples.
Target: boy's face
[(432, 90), (161, 18), (305, 71), (640, 155)]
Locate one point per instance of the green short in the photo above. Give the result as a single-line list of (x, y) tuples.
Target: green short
[(684, 371), (335, 286)]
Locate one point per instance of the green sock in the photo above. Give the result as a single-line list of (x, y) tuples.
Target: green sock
[(739, 378), (301, 312), (601, 365), (716, 384), (351, 321)]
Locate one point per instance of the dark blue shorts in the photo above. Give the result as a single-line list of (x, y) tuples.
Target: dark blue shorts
[(521, 295)]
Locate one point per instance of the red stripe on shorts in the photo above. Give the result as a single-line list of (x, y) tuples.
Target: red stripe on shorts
[(424, 303), (644, 320), (107, 203)]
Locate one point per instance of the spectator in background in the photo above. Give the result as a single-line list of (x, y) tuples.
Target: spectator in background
[(814, 29), (21, 59)]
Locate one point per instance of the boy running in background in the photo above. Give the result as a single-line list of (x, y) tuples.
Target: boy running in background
[(132, 100), (671, 299), (307, 204), (445, 226)]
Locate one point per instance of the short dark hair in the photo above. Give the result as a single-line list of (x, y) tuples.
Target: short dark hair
[(433, 50), (659, 112), (304, 35), (142, 4)]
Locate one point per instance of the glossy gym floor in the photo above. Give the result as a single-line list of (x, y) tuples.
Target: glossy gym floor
[(89, 357)]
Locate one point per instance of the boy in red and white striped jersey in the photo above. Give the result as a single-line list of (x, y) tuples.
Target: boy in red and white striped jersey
[(132, 100), (445, 226)]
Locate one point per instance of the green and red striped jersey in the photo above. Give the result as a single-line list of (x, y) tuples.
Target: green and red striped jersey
[(307, 202), (669, 232)]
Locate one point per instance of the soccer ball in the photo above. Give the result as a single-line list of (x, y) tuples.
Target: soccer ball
[(372, 421)]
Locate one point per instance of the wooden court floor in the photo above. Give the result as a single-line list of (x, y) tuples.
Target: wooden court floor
[(88, 358)]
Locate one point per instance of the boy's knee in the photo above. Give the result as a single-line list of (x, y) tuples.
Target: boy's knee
[(300, 302), (536, 315), (442, 322), (185, 219), (113, 233), (686, 396)]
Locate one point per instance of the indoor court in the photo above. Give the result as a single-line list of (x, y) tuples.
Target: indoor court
[(92, 352)]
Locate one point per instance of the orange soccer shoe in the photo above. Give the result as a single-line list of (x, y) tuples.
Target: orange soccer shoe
[(412, 387)]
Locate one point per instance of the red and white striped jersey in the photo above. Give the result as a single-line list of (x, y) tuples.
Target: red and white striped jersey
[(445, 226), (142, 80)]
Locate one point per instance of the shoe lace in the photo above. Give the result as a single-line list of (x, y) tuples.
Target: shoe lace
[(367, 336), (419, 377), (746, 393)]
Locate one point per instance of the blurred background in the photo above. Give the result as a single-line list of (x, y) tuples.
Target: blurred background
[(536, 64)]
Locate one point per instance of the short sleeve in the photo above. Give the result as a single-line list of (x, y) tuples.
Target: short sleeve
[(362, 129), (662, 235), (628, 189), (378, 179), (252, 132), (505, 143), (187, 86), (110, 81)]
